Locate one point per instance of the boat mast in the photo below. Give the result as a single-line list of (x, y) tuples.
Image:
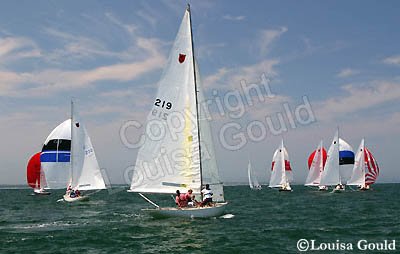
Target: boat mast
[(283, 163), (195, 94), (363, 160), (338, 144), (71, 152)]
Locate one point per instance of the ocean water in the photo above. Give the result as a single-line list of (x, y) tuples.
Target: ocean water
[(264, 221)]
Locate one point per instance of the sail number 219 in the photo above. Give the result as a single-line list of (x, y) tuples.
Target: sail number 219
[(163, 104)]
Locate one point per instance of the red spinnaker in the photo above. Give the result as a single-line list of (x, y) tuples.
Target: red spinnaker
[(33, 171), (372, 168)]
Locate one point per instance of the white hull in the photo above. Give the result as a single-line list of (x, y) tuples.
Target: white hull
[(338, 190), (41, 192), (198, 212), (79, 198)]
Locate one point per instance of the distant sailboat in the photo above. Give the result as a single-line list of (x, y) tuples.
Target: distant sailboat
[(339, 153), (35, 176), (316, 163), (366, 169), (253, 183), (281, 172), (175, 161), (85, 173)]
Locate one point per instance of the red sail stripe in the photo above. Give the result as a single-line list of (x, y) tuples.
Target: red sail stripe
[(371, 166), (287, 166), (311, 157)]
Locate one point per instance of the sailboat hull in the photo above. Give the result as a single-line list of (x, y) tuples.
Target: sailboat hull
[(79, 198), (198, 212), (39, 193)]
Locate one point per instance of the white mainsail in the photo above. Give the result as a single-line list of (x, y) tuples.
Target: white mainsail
[(331, 174), (209, 167), (358, 175), (279, 176), (253, 182), (317, 167), (171, 161), (55, 156), (85, 170), (249, 175)]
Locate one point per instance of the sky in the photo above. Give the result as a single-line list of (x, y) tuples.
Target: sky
[(318, 65)]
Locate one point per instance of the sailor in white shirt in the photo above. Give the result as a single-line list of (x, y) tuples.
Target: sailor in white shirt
[(207, 195)]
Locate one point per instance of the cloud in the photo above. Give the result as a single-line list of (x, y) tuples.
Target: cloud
[(392, 60), (47, 82), (267, 37), (345, 73), (356, 98), (144, 56), (229, 78), (17, 48), (234, 18)]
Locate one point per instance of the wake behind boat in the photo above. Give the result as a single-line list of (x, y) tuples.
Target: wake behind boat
[(185, 159)]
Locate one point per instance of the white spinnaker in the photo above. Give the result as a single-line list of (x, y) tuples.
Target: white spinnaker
[(358, 175), (314, 174), (56, 172), (86, 173), (346, 169), (168, 162), (331, 175)]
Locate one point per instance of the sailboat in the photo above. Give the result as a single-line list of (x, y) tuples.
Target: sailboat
[(183, 158), (35, 176), (253, 183), (85, 173), (339, 153), (281, 171), (49, 168), (366, 169), (316, 163)]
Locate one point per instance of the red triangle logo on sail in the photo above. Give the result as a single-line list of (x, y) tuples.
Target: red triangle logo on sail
[(181, 58)]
